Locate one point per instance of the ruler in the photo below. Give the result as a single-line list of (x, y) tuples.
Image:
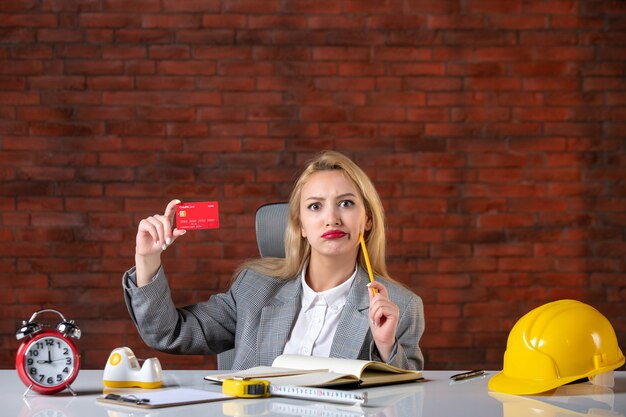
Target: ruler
[(319, 394), (258, 388)]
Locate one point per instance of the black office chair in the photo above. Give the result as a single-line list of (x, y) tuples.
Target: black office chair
[(270, 224)]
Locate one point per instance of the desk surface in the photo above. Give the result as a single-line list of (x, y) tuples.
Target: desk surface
[(436, 396)]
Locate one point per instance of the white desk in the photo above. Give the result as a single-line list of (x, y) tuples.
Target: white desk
[(436, 396)]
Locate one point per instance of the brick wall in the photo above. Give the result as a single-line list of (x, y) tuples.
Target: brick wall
[(494, 131)]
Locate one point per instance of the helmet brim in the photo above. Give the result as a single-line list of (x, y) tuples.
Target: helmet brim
[(519, 386)]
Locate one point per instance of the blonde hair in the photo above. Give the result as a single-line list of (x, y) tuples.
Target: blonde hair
[(297, 248)]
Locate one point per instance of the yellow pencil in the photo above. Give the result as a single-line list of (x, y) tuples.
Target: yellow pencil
[(367, 261)]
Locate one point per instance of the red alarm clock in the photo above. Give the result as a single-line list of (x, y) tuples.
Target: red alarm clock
[(47, 361)]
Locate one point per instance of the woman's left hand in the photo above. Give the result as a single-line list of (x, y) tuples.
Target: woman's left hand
[(384, 316)]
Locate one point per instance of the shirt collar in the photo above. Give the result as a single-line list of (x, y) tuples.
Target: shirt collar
[(333, 296)]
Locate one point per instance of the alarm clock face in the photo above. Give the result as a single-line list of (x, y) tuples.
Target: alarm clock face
[(48, 361)]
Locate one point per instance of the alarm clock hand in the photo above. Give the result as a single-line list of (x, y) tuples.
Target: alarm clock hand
[(49, 359)]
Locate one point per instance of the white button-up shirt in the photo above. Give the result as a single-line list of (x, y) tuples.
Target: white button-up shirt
[(316, 325)]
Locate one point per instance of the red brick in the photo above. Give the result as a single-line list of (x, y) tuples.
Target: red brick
[(181, 21), (345, 84), (564, 53), (462, 295), (468, 265), (547, 38), (501, 54), (459, 99), (577, 22), (19, 5), (432, 83), (492, 84), (203, 6), (271, 113), (506, 220), (224, 21), (442, 310), (449, 130), (416, 69), (12, 83), (559, 7), (479, 37), (187, 129), (224, 144), (480, 115), (456, 22), (542, 114), (99, 35), (402, 54), (395, 22), (109, 20), (518, 22), (144, 6), (500, 250), (550, 84), (149, 36), (427, 115), (19, 98), (222, 113), (514, 129), (226, 83), (444, 7), (251, 6), (521, 279), (573, 129)]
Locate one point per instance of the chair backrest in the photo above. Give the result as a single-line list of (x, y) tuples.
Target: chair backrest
[(270, 224)]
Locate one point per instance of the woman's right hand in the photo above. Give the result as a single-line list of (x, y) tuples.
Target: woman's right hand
[(154, 235)]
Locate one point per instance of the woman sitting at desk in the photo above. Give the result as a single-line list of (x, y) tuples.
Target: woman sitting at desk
[(315, 301)]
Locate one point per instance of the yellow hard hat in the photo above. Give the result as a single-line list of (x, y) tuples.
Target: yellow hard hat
[(555, 344)]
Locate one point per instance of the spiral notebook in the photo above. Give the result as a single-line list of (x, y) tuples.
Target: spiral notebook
[(315, 371)]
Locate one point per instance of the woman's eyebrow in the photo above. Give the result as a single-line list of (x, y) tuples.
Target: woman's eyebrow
[(344, 195)]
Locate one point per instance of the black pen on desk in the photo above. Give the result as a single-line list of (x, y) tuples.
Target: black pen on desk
[(129, 399), (466, 375)]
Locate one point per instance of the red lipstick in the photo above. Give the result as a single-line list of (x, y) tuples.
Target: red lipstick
[(333, 234)]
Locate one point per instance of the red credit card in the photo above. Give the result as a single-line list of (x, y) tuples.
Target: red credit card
[(197, 215)]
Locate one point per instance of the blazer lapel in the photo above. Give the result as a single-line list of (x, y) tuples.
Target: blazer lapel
[(353, 324), (277, 319)]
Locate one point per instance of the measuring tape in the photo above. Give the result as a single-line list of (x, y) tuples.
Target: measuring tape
[(257, 388)]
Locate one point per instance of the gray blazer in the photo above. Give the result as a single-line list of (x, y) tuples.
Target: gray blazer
[(256, 315)]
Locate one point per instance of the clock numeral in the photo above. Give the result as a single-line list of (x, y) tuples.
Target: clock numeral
[(68, 361), (33, 352), (67, 371), (50, 380), (59, 378), (66, 351), (49, 342), (29, 361), (33, 371)]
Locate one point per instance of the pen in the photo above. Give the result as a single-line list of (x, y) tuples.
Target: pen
[(367, 261), (466, 375), (129, 399)]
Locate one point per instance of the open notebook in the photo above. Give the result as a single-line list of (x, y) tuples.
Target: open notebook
[(314, 371)]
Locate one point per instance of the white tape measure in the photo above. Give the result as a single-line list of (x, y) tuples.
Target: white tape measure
[(320, 394), (255, 388)]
